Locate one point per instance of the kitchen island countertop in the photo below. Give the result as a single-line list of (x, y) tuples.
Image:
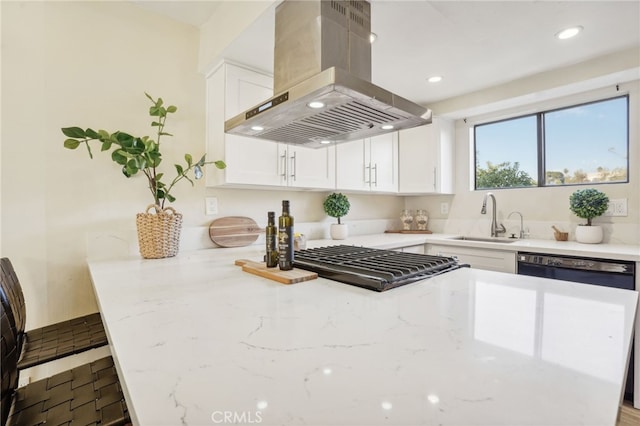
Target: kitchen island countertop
[(197, 341)]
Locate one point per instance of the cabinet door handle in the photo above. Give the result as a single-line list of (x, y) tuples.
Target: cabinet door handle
[(367, 174), (294, 166), (434, 177), (375, 174), (284, 166)]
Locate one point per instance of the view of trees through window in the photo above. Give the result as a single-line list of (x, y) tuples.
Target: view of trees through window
[(582, 144)]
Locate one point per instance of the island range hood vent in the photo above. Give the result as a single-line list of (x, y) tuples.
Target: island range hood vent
[(322, 80)]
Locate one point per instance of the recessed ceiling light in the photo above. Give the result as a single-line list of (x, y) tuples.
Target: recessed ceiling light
[(325, 142), (568, 32), (435, 79), (257, 128), (387, 127), (373, 37), (315, 104)]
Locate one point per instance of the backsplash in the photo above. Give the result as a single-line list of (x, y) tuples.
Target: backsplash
[(124, 242)]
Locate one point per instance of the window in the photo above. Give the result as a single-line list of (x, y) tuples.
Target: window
[(581, 144)]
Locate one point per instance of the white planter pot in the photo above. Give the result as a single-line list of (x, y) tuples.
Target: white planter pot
[(339, 231), (589, 234)]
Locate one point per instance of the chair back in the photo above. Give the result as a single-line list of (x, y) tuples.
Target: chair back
[(12, 297), (9, 357)]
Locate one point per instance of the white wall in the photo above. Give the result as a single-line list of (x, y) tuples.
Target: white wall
[(541, 207), (230, 19)]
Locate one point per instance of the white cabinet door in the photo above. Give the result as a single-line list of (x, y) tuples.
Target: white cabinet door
[(491, 260), (231, 90), (419, 249), (308, 167), (383, 164), (426, 158), (368, 165), (352, 168)]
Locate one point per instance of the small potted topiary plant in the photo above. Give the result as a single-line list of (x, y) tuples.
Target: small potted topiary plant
[(588, 204), (337, 205)]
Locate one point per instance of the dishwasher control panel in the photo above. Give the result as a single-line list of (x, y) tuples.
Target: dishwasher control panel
[(569, 262)]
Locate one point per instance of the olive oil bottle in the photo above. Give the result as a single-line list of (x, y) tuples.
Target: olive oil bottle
[(285, 238), (272, 240)]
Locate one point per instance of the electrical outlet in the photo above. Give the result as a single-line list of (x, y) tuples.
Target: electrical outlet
[(444, 208), (617, 207), (211, 205)]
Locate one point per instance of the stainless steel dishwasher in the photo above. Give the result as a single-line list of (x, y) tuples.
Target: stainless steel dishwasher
[(605, 272)]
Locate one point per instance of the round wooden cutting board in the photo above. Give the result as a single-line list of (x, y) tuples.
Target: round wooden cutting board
[(234, 231)]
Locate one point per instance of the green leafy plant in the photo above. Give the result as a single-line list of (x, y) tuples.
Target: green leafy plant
[(141, 154), (588, 203), (336, 205), (502, 175)]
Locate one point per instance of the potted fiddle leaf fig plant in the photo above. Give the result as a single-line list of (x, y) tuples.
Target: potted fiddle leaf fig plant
[(159, 233), (337, 205), (588, 204)]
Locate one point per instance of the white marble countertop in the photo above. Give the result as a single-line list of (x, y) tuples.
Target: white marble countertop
[(199, 342), (568, 248)]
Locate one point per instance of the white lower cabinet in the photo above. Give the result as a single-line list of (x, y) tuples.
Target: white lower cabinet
[(418, 249), (491, 260)]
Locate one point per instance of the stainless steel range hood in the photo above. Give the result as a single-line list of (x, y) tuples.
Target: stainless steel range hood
[(322, 56)]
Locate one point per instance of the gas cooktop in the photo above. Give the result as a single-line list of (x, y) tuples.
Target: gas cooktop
[(374, 269)]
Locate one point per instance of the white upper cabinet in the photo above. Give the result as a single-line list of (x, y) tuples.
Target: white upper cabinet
[(231, 90), (368, 165), (426, 158), (306, 167)]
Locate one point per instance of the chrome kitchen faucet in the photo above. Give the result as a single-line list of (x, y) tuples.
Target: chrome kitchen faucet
[(495, 230), (523, 233)]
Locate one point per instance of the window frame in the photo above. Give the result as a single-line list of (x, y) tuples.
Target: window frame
[(541, 144)]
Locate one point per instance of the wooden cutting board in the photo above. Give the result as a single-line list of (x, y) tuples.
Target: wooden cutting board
[(234, 231), (408, 232), (286, 277)]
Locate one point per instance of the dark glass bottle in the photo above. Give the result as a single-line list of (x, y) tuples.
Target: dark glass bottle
[(285, 238), (272, 241)]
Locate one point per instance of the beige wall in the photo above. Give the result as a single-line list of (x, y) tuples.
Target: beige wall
[(86, 64)]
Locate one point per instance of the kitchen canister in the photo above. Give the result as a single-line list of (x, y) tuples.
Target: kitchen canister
[(406, 217), (421, 220)]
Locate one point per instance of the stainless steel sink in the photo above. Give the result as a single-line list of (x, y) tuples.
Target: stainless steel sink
[(486, 239)]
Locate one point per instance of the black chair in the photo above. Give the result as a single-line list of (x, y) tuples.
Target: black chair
[(88, 394), (51, 342)]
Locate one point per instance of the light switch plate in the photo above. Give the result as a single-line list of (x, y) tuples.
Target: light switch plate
[(211, 205), (444, 208)]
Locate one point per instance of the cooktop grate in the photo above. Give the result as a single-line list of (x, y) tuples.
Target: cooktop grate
[(374, 269)]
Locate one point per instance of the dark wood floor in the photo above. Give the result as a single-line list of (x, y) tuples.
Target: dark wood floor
[(629, 416)]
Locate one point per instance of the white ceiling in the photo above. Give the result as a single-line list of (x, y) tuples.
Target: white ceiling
[(472, 44)]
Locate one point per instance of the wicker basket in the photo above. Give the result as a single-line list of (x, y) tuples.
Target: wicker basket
[(159, 232)]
